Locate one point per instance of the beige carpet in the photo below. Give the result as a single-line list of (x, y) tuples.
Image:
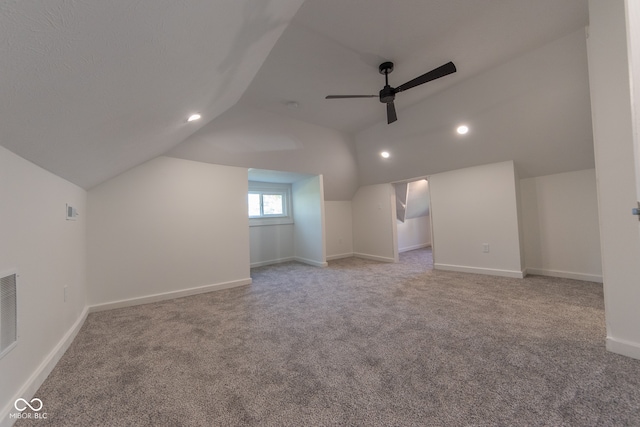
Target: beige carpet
[(357, 343)]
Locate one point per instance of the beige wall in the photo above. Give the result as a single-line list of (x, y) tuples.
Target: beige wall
[(48, 252), (414, 233), (374, 215), (339, 229), (167, 226), (560, 224), (308, 215), (471, 207), (615, 170), (271, 244)]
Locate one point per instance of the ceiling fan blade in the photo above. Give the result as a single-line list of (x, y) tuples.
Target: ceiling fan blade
[(436, 73), (391, 113), (349, 96)]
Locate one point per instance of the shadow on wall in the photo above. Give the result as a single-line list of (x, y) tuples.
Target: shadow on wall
[(257, 23)]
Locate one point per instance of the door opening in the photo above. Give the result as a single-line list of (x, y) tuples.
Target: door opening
[(413, 220)]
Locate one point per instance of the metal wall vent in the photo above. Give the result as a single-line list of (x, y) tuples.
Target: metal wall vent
[(8, 313)]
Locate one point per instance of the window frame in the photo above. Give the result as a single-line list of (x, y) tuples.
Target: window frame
[(267, 188)]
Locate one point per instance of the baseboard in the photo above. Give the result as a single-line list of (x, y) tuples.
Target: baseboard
[(565, 274), (339, 256), (271, 262), (31, 386), (625, 348), (168, 295), (477, 270), (414, 247), (310, 262), (373, 257)]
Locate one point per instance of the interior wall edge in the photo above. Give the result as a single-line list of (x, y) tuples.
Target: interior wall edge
[(129, 302), (33, 383), (476, 270), (339, 256), (271, 262), (373, 257), (311, 262), (414, 247), (625, 348), (565, 274)]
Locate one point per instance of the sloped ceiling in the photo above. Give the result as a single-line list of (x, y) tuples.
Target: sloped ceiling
[(534, 109), (90, 89), (335, 47)]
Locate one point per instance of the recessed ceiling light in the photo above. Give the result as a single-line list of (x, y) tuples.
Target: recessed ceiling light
[(462, 129), (194, 117), (385, 154)]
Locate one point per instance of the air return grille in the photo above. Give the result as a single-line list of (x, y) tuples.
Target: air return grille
[(8, 313)]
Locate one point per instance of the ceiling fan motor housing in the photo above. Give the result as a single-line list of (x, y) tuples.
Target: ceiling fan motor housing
[(387, 94)]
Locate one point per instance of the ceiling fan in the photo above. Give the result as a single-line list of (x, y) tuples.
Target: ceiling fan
[(388, 93)]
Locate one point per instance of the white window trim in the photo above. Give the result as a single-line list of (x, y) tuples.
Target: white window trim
[(272, 188)]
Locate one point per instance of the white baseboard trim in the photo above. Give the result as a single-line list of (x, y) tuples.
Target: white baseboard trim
[(168, 295), (414, 247), (31, 386), (565, 274), (477, 270), (339, 256), (373, 257), (625, 348), (310, 262), (271, 262), (293, 258)]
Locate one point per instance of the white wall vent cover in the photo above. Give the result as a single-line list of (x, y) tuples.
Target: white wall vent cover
[(8, 313)]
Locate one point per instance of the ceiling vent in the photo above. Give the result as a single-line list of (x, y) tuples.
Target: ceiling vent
[(8, 313)]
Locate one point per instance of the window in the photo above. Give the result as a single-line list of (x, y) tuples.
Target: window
[(269, 204)]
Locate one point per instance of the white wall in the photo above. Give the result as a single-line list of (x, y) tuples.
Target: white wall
[(270, 244), (374, 217), (414, 233), (48, 253), (473, 206), (253, 138), (615, 171), (533, 109), (339, 229), (309, 223), (165, 227), (560, 224)]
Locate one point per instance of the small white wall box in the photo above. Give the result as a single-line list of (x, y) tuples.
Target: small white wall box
[(72, 213)]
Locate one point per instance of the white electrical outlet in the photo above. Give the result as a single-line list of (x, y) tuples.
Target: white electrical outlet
[(65, 294), (485, 248)]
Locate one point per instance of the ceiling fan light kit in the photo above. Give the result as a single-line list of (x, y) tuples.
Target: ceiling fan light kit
[(388, 94)]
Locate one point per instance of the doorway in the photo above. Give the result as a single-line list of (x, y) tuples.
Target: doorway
[(413, 220)]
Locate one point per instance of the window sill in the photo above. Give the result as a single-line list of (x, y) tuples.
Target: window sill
[(259, 222)]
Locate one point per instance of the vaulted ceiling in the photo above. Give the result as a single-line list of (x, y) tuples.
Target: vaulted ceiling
[(91, 89), (336, 46)]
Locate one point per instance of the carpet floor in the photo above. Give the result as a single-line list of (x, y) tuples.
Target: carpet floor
[(358, 343)]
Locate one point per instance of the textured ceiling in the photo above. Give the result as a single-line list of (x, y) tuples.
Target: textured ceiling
[(90, 89), (335, 47)]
